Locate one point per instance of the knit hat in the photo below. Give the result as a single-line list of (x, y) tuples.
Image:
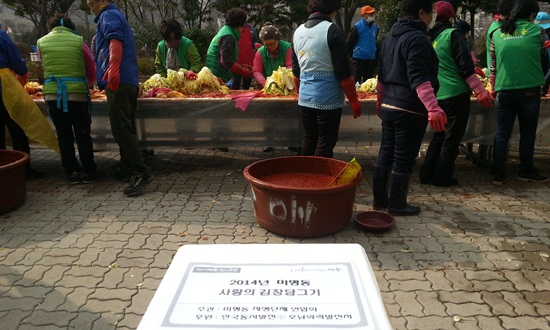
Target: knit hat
[(367, 10), (269, 31), (444, 11)]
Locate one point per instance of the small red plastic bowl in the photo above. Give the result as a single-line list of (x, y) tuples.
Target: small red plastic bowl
[(375, 220)]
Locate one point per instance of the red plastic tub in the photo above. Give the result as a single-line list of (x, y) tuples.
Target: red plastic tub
[(12, 179), (291, 196)]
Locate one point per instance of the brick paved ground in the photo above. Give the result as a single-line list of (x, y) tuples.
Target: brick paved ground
[(86, 257)]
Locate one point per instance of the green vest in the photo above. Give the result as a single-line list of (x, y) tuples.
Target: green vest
[(62, 57), (450, 82), (182, 53), (272, 64), (213, 54), (518, 60)]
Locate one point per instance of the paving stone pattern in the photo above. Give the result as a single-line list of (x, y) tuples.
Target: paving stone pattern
[(87, 257)]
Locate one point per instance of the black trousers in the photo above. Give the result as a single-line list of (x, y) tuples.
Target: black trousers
[(239, 82), (402, 134), (440, 158), (75, 124), (19, 139), (320, 131)]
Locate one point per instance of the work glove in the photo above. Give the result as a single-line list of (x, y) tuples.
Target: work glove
[(380, 88), (436, 116), (480, 72), (190, 75), (113, 71), (348, 85), (483, 96), (238, 69), (297, 84), (546, 44)]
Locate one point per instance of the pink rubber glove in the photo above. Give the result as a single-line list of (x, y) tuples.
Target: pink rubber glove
[(115, 58), (474, 58), (380, 88), (483, 96), (436, 116), (348, 85)]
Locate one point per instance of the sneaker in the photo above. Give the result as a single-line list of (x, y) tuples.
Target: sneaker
[(499, 179), (74, 177), (117, 173), (91, 177), (532, 176), (138, 182)]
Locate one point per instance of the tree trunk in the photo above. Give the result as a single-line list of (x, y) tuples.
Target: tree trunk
[(42, 30)]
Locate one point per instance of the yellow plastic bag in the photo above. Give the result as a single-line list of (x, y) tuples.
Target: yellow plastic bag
[(348, 174), (25, 112)]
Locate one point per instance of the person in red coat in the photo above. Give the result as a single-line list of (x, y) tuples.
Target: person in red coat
[(247, 49)]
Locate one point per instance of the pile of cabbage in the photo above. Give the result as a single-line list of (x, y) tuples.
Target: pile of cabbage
[(176, 81), (281, 82)]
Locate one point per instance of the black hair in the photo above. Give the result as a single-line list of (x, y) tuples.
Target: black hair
[(167, 27), (60, 19), (236, 17), (410, 8), (324, 6), (521, 9), (504, 7)]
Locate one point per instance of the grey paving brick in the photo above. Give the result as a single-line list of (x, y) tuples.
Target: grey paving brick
[(499, 306), (75, 299), (524, 322), (412, 307), (430, 322), (13, 318), (430, 301)]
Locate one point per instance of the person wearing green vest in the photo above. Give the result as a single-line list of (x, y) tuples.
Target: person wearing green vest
[(223, 51), (518, 64), (457, 78), (273, 54), (176, 51), (68, 71), (503, 10)]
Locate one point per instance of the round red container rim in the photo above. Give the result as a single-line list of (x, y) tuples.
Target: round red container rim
[(329, 189), (23, 158)]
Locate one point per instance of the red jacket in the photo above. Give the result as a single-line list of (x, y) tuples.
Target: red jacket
[(246, 45)]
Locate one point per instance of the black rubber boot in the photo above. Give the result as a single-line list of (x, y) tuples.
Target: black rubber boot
[(399, 189), (380, 182)]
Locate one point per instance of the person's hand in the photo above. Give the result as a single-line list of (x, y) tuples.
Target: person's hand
[(220, 80), (242, 70), (115, 58), (297, 84), (437, 119), (485, 99), (546, 44), (190, 75), (356, 107), (24, 79), (257, 45), (378, 105)]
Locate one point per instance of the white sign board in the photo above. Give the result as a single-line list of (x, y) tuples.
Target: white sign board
[(276, 286)]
